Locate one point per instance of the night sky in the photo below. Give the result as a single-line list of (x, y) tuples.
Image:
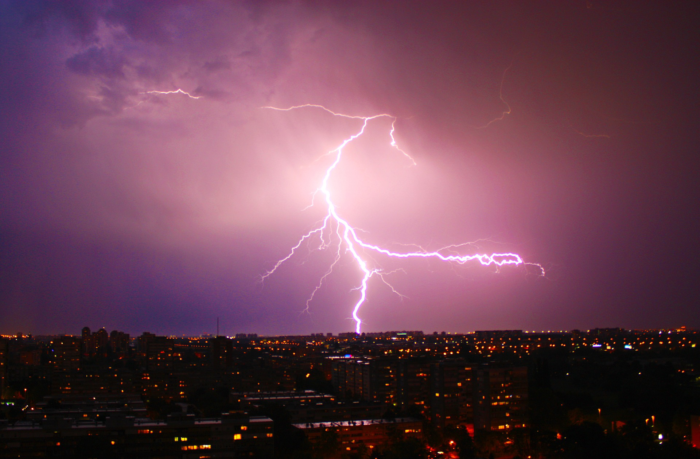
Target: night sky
[(160, 212)]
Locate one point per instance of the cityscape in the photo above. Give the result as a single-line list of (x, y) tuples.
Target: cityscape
[(402, 394), (367, 229)]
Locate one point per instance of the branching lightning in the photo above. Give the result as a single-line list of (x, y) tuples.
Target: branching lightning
[(338, 232)]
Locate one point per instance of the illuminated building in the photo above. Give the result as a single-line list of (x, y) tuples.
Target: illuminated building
[(350, 378), (89, 347), (142, 342), (3, 366), (119, 342), (695, 431), (500, 398), (92, 381), (92, 343), (414, 382), (451, 398), (30, 357), (65, 352), (88, 407), (384, 381), (221, 352), (372, 380), (310, 406), (101, 339), (160, 354)]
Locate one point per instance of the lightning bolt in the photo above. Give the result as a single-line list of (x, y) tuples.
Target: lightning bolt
[(333, 226), (603, 136), (505, 112), (177, 91)]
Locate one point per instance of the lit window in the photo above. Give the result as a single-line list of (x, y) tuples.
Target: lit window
[(237, 436)]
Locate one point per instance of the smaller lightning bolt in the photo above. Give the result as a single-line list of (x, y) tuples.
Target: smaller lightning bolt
[(500, 95), (603, 136), (177, 91)]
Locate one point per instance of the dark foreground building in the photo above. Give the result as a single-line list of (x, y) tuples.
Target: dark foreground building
[(231, 436), (367, 434)]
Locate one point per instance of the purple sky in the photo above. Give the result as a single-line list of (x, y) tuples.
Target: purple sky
[(136, 211)]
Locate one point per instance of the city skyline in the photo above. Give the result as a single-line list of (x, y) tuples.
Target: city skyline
[(143, 185), (115, 335)]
